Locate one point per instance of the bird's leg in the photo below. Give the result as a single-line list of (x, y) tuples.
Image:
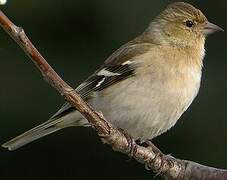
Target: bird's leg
[(166, 161), (131, 142), (153, 148)]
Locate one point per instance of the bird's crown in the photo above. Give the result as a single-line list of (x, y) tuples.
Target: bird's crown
[(183, 10)]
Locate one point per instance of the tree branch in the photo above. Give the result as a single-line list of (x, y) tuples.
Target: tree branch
[(167, 166)]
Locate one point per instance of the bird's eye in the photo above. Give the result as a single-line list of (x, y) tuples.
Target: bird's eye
[(189, 23)]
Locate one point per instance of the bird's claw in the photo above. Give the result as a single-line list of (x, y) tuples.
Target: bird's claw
[(166, 162), (131, 142)]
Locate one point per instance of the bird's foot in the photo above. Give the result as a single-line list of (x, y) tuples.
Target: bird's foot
[(151, 146), (131, 142), (161, 161)]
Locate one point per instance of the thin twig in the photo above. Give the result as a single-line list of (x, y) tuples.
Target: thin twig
[(167, 166)]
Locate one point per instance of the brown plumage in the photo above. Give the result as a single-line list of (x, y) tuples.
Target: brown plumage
[(146, 85)]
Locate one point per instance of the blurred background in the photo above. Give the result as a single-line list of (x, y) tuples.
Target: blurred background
[(76, 36)]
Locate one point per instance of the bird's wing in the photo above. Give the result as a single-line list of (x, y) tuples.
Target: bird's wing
[(119, 66)]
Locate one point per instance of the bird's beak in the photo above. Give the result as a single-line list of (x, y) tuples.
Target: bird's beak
[(211, 28)]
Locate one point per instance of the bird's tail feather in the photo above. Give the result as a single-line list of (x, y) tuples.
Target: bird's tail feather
[(42, 130)]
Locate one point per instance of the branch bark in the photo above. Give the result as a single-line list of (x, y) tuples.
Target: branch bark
[(167, 166)]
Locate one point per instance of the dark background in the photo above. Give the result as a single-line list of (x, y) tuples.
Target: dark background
[(76, 36)]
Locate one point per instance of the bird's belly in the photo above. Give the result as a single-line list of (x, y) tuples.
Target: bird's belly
[(144, 111)]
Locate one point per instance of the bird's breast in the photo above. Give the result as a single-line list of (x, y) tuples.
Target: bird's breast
[(150, 103)]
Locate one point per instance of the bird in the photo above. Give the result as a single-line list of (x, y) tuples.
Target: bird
[(146, 85)]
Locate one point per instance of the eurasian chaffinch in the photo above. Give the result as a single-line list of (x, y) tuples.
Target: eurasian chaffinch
[(146, 85)]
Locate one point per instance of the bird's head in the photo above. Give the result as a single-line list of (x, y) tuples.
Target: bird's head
[(181, 24)]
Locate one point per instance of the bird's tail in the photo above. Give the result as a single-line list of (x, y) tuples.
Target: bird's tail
[(42, 130)]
